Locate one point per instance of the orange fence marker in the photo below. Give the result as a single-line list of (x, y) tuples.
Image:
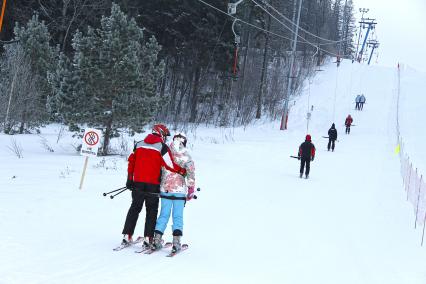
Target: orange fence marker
[(3, 8)]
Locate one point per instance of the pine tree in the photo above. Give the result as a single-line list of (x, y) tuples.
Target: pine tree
[(349, 29), (25, 67), (112, 80)]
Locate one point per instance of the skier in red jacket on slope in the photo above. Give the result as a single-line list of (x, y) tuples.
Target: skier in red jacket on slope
[(348, 123), (144, 177)]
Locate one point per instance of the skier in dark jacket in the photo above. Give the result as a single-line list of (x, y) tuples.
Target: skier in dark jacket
[(306, 155), (357, 102), (144, 176), (361, 102), (332, 137)]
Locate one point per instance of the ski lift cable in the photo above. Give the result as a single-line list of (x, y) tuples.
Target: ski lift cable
[(242, 21), (308, 113), (306, 31), (290, 29), (350, 88), (335, 95), (261, 29), (214, 49)]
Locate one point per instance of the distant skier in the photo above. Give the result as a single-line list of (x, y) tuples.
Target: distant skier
[(338, 60), (348, 123), (357, 102), (361, 102), (306, 155), (144, 172), (332, 137), (175, 191)]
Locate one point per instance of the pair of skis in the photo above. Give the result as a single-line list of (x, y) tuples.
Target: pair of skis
[(166, 245), (147, 250)]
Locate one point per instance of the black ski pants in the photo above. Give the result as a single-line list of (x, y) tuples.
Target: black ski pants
[(348, 129), (357, 105), (331, 143), (151, 205), (304, 161)]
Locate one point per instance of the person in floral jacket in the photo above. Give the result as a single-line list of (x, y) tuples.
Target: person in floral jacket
[(175, 191)]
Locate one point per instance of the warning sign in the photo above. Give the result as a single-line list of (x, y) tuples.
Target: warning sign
[(91, 143)]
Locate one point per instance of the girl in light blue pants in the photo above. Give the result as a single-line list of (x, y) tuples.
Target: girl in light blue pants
[(175, 191)]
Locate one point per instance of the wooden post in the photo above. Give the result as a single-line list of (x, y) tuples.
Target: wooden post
[(84, 172)]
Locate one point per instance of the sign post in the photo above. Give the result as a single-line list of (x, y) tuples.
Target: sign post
[(89, 148)]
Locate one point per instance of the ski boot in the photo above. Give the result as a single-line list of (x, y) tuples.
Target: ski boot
[(157, 243), (177, 246), (147, 243), (301, 175), (127, 240), (306, 176)]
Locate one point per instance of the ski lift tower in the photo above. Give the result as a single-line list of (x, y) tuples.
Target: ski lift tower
[(373, 44), (362, 11), (370, 24)]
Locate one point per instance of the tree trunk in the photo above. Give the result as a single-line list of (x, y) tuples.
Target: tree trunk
[(195, 90), (183, 90), (7, 125), (107, 136), (23, 118), (164, 79), (263, 75)]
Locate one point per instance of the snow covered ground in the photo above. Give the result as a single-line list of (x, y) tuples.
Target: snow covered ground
[(255, 221), (412, 122)]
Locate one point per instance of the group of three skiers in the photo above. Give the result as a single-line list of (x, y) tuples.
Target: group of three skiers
[(306, 152), (151, 178)]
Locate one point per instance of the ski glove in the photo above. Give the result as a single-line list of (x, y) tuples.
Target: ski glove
[(181, 171), (130, 184), (312, 159), (298, 157), (190, 193)]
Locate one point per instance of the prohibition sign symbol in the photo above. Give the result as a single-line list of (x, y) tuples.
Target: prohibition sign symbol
[(91, 138)]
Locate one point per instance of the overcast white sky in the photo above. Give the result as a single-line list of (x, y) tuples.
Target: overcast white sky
[(401, 30)]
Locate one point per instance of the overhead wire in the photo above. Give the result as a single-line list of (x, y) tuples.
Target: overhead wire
[(214, 49), (290, 29), (266, 31), (308, 113), (247, 23), (306, 31)]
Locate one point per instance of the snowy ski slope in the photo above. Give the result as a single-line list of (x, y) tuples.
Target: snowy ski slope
[(255, 221)]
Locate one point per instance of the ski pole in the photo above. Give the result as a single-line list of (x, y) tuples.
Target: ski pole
[(195, 197), (112, 196), (106, 193)]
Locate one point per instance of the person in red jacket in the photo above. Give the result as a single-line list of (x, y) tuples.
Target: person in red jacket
[(306, 155), (348, 123), (144, 177)]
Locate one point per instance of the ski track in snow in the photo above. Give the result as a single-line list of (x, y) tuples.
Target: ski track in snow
[(255, 220)]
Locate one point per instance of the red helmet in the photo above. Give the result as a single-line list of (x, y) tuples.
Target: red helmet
[(161, 130), (308, 138)]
